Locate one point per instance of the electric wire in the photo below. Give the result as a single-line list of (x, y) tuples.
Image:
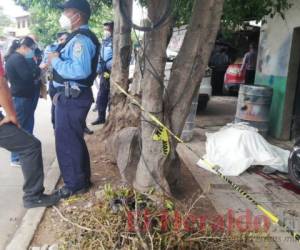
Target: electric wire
[(154, 26)]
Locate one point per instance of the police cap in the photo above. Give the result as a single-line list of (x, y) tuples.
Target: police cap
[(81, 5)]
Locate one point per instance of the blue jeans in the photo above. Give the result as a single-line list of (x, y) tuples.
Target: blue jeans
[(25, 114), (35, 101)]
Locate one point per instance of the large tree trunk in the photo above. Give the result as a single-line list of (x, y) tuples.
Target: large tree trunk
[(150, 171), (120, 115), (154, 168), (192, 60)]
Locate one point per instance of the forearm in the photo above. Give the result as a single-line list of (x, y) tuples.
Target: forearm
[(5, 98)]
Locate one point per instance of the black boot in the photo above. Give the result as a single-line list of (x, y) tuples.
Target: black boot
[(65, 193), (42, 201)]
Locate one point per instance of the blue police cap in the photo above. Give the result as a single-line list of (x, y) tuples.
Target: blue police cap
[(81, 5)]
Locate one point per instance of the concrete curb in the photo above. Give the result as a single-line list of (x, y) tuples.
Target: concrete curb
[(24, 235)]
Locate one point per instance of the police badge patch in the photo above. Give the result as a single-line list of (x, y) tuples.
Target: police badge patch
[(77, 49)]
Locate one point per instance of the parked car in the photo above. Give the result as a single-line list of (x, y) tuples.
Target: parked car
[(233, 79), (205, 90)]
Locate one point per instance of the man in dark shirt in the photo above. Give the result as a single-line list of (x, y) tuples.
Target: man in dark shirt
[(12, 138), (249, 65)]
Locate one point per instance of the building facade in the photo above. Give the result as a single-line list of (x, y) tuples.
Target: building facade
[(22, 25), (278, 67)]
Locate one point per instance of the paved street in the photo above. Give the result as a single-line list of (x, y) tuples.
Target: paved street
[(11, 180)]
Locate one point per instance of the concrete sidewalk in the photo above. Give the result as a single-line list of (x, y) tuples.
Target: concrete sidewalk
[(11, 179), (282, 202)]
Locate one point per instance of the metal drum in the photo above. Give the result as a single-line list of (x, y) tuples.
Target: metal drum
[(254, 103)]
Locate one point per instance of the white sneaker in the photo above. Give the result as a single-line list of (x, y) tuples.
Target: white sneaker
[(16, 164)]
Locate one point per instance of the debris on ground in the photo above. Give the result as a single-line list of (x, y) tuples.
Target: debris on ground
[(126, 219)]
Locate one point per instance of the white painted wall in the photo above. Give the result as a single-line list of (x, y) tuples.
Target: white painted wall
[(275, 42)]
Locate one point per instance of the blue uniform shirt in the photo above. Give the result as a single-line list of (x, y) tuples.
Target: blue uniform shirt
[(75, 61), (106, 55)]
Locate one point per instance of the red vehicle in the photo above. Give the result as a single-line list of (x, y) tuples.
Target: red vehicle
[(233, 78)]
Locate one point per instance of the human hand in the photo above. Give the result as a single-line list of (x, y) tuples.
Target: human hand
[(12, 118), (43, 66)]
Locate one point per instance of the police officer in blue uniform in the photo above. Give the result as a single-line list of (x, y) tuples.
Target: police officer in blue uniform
[(74, 71), (104, 70)]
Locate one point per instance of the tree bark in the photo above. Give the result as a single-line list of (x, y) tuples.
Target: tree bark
[(150, 171), (154, 168), (192, 60), (120, 115)]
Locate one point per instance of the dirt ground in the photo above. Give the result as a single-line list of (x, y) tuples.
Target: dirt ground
[(104, 172)]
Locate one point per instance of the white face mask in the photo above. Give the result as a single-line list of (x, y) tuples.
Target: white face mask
[(65, 22), (106, 34)]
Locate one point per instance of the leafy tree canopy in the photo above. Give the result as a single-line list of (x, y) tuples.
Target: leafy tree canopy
[(236, 12), (45, 17)]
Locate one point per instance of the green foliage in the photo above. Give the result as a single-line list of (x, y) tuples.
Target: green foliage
[(238, 11), (235, 11), (45, 17), (44, 23), (182, 11)]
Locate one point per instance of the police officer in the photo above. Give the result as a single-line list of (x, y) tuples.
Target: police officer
[(104, 70), (74, 71)]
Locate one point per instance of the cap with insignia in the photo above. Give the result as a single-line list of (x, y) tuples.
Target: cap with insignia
[(81, 5)]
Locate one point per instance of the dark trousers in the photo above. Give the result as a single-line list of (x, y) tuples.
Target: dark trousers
[(35, 101), (217, 81), (52, 91), (25, 112), (71, 149), (250, 77), (103, 98), (29, 150)]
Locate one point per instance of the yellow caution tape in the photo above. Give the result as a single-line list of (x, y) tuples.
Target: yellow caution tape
[(216, 168), (161, 134), (106, 75)]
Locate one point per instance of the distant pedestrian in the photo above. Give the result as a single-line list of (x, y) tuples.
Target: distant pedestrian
[(21, 75), (34, 64), (249, 65), (104, 71), (28, 148), (219, 64)]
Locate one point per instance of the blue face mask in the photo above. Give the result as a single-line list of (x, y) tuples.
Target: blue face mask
[(30, 54)]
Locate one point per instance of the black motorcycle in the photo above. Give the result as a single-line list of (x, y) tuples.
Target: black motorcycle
[(294, 165)]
